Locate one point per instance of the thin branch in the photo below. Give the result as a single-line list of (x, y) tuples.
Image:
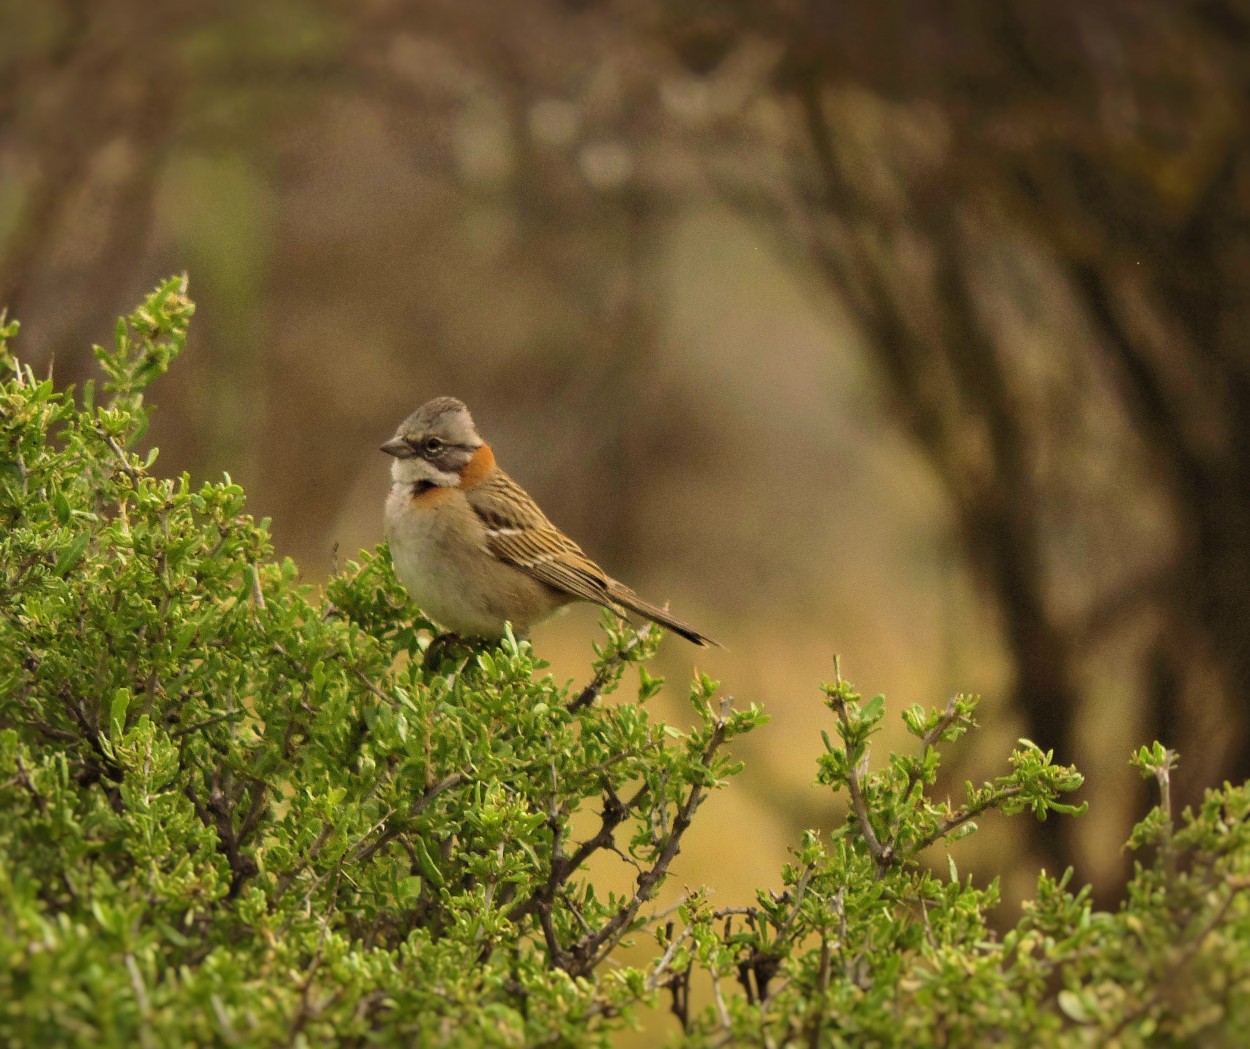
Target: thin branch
[(881, 855), (123, 460), (137, 984), (288, 876), (445, 784), (721, 1011), (800, 891), (588, 953), (1167, 849), (656, 976), (258, 595), (216, 814), (27, 784), (615, 812), (929, 739), (971, 813), (618, 658), (817, 1004)]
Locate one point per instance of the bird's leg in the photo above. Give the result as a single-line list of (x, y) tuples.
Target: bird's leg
[(445, 646)]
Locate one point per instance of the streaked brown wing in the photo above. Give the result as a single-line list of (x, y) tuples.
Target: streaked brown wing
[(518, 532)]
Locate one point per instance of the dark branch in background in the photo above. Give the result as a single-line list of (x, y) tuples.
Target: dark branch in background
[(956, 398), (1144, 221), (98, 103), (1201, 456)]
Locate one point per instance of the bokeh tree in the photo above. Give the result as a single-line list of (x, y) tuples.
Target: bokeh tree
[(1038, 218)]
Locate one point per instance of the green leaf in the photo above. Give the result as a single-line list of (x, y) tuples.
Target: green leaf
[(70, 554), (117, 713)]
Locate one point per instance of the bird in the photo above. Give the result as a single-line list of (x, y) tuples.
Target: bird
[(473, 549)]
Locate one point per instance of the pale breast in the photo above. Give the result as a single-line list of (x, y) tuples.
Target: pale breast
[(438, 545)]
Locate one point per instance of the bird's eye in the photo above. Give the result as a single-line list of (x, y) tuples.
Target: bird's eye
[(432, 445)]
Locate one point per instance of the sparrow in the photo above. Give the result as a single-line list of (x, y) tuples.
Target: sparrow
[(472, 548)]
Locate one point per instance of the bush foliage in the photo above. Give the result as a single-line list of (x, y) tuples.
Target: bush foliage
[(238, 810)]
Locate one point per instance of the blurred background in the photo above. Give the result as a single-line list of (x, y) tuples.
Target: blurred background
[(915, 332)]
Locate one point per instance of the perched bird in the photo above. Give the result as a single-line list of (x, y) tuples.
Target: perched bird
[(472, 548)]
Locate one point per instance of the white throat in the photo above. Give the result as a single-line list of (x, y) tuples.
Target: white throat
[(407, 472)]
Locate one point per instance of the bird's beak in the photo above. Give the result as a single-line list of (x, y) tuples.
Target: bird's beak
[(399, 448)]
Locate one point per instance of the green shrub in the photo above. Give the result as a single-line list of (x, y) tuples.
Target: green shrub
[(866, 946), (236, 810), (231, 815)]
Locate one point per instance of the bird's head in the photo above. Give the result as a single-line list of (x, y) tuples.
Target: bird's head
[(434, 446)]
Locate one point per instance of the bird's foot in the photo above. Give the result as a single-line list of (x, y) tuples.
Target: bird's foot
[(449, 648)]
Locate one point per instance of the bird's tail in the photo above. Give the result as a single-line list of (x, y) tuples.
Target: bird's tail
[(625, 597)]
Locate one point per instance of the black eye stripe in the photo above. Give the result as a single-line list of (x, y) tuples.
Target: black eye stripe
[(421, 446)]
